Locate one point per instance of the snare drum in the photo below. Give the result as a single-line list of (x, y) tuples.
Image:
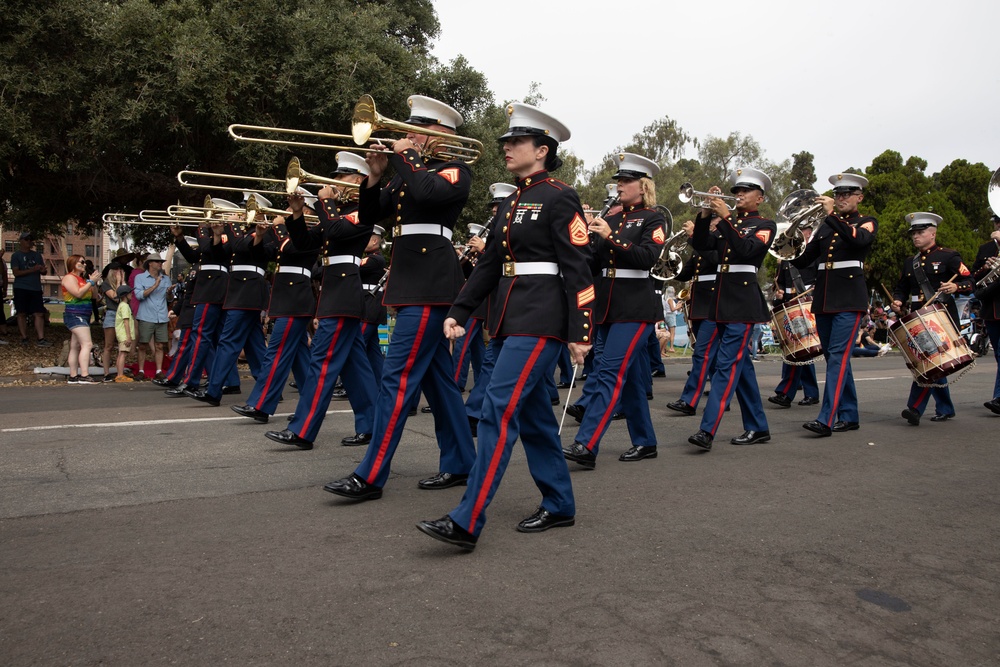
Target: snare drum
[(795, 327), (931, 344)]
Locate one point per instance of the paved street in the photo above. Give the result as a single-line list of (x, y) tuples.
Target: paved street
[(136, 529)]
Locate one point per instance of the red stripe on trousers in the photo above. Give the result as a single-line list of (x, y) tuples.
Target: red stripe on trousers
[(197, 343), (616, 392), (921, 397), (792, 370), (704, 367), (322, 377), (501, 446), (397, 408), (180, 351), (274, 363), (458, 365), (843, 371), (732, 378)]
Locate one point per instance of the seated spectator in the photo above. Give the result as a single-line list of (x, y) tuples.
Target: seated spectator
[(865, 345)]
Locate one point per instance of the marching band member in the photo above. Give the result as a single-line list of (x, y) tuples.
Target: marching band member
[(986, 260), (182, 312), (927, 272), (790, 282), (742, 243), (337, 346), (373, 268), (426, 197), (840, 298), (537, 262), (246, 299), (701, 271), (626, 246), (291, 310)]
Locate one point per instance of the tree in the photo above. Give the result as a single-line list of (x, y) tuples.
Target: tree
[(966, 185), (803, 173)]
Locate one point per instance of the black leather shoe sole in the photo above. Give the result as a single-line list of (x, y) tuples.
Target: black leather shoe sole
[(253, 414), (841, 427), (291, 439), (809, 401), (368, 492), (588, 461), (701, 441), (432, 529), (436, 482), (818, 428), (756, 439), (941, 418), (552, 521), (638, 454), (683, 409), (781, 401), (911, 416)]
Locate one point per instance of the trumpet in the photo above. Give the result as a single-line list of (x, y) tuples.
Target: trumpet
[(365, 121), (689, 195)]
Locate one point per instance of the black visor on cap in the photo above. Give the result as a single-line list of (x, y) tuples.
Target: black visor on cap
[(424, 120), (847, 188), (745, 186), (628, 173), (346, 170), (917, 228), (524, 132)]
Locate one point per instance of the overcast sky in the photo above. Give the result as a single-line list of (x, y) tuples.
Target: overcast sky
[(842, 80)]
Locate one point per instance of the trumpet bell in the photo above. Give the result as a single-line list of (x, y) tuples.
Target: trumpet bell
[(364, 119)]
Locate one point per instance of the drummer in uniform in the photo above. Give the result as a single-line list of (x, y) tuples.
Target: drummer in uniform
[(742, 241), (701, 271), (790, 282), (987, 259), (373, 269), (840, 300), (933, 269)]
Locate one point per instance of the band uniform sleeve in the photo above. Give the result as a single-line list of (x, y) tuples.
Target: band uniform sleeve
[(374, 202), (860, 233), (810, 254), (642, 255), (574, 263), (300, 234), (191, 256), (483, 280), (964, 280), (443, 184), (703, 238)]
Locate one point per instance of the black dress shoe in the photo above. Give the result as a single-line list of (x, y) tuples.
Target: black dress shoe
[(542, 520), (354, 487), (252, 413), (993, 406), (164, 382), (474, 426), (681, 407), (659, 374), (176, 392), (638, 453), (412, 412), (339, 394), (702, 439), (780, 400), (444, 529), (576, 412), (941, 418), (555, 401), (751, 438), (290, 417), (911, 415), (809, 400), (649, 396), (293, 384), (442, 480), (205, 397), (286, 437), (580, 454), (564, 385), (819, 428), (426, 410), (618, 416), (840, 427), (231, 391), (356, 439)]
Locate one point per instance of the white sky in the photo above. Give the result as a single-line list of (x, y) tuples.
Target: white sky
[(842, 80)]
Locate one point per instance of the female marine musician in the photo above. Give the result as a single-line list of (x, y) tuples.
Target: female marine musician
[(626, 246)]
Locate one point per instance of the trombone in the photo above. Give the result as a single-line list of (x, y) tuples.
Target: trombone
[(365, 121), (294, 177), (133, 219), (254, 207), (689, 195)]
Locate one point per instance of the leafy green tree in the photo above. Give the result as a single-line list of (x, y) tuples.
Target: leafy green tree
[(966, 186), (803, 173)]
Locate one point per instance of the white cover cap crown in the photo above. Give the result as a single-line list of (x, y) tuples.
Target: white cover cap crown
[(500, 191), (429, 111), (748, 177), (351, 163), (922, 219), (848, 182), (631, 165), (528, 120)]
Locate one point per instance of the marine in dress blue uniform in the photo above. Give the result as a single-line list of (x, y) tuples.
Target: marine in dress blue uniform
[(424, 199), (701, 271), (840, 299), (626, 246), (790, 282), (373, 269), (741, 242), (987, 258), (290, 310), (939, 266), (537, 263), (183, 310), (337, 346)]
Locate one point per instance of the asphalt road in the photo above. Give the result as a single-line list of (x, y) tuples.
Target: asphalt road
[(136, 529)]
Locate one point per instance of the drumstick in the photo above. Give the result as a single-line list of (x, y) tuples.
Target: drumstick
[(807, 291), (566, 407), (939, 292)]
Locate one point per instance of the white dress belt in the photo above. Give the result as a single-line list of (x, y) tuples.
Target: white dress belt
[(737, 268), (421, 228), (624, 273), (340, 259), (213, 267), (295, 269), (916, 299), (846, 264), (530, 269), (708, 277), (246, 267), (369, 288)]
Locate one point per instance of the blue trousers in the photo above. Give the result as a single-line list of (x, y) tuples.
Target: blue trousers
[(182, 359), (369, 332), (418, 359), (919, 396), (653, 350), (336, 349), (206, 328), (474, 403), (993, 331), (469, 351), (702, 361), (793, 377), (289, 338), (515, 405), (837, 333), (241, 330), (565, 365), (595, 362), (619, 378), (733, 372)]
